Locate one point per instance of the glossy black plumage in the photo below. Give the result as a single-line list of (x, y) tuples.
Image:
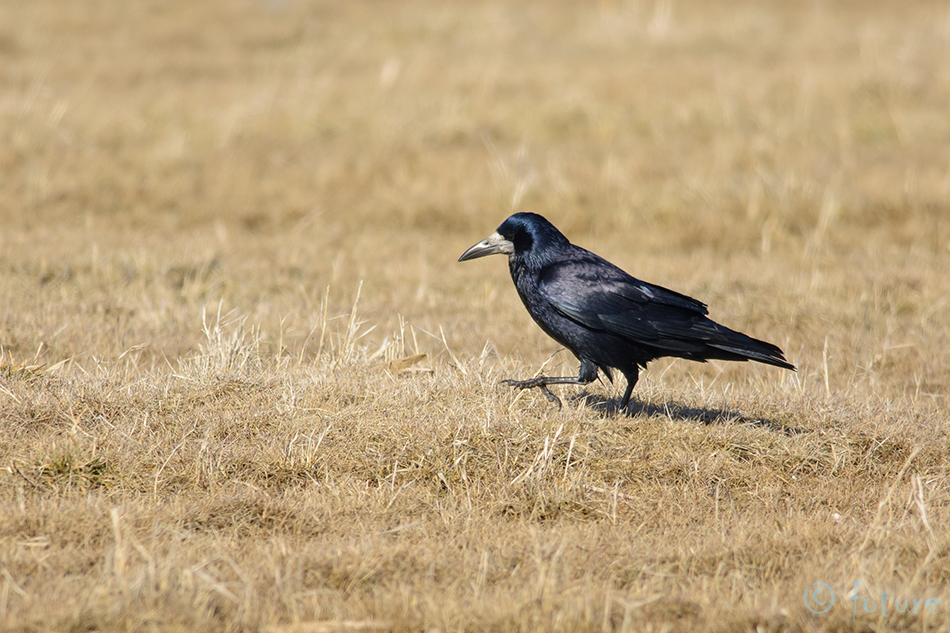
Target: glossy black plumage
[(607, 318)]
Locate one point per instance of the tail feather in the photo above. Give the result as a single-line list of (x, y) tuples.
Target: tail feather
[(742, 347)]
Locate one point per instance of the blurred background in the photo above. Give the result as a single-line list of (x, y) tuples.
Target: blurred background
[(787, 163)]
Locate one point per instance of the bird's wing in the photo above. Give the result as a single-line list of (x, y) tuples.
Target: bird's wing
[(596, 294)]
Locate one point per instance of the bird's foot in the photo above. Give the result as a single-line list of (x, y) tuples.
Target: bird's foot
[(531, 383), (534, 383)]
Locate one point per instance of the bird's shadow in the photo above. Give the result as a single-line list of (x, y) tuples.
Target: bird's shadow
[(610, 407)]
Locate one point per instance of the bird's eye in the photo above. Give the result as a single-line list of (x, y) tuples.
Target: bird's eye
[(523, 241)]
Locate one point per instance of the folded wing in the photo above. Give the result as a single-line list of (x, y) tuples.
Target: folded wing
[(601, 297)]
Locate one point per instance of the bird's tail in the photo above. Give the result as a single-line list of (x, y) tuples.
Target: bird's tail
[(732, 345)]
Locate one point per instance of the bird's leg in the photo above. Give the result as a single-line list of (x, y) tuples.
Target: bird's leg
[(588, 373), (632, 378), (542, 382)]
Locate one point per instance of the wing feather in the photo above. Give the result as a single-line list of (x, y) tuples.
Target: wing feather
[(596, 294)]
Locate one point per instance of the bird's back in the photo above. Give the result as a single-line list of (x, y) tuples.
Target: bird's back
[(604, 315)]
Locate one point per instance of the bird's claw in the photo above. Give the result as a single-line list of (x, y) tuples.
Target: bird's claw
[(550, 396), (522, 384), (534, 383)]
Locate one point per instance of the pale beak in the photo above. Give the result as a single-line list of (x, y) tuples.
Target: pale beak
[(494, 244)]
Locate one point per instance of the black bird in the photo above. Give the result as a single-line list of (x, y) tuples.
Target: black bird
[(607, 318)]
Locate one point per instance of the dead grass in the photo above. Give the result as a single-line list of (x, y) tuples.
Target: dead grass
[(244, 386)]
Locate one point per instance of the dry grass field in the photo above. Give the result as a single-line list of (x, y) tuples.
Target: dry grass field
[(229, 231)]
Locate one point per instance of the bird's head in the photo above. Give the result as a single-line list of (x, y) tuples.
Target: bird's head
[(522, 235)]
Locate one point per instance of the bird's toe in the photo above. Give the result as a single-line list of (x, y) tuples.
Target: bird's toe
[(522, 384), (550, 396)]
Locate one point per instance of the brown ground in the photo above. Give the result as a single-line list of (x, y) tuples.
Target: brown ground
[(227, 229)]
